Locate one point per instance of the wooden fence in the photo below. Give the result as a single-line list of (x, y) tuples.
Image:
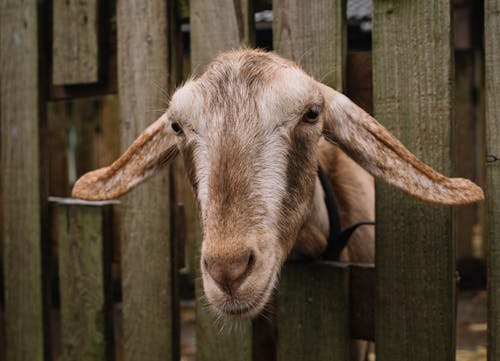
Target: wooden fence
[(100, 281)]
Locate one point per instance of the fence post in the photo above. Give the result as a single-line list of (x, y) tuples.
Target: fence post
[(145, 229), (492, 72), (84, 249), (20, 178), (313, 34), (313, 312), (413, 77), (75, 42), (217, 26)]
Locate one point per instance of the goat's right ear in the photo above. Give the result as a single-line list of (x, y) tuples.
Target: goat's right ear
[(152, 150), (378, 151)]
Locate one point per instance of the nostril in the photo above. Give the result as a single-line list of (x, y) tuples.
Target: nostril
[(240, 267), (230, 274)]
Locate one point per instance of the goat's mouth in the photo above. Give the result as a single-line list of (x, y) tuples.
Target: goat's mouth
[(241, 307)]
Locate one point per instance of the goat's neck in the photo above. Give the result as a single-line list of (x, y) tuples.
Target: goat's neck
[(354, 193), (313, 237)]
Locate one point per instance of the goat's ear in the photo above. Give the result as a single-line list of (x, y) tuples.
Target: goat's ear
[(153, 149), (372, 146)]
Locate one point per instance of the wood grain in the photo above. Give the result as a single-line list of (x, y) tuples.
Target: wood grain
[(492, 72), (145, 229), (217, 26), (413, 77), (313, 317), (313, 34), (20, 177), (85, 304), (75, 51)]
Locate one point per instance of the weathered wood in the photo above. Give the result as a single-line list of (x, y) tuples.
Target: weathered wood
[(492, 72), (75, 58), (313, 33), (313, 317), (413, 77), (20, 177), (319, 46), (362, 280), (84, 276), (217, 26), (145, 230)]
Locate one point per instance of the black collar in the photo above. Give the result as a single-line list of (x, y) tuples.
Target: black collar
[(337, 239)]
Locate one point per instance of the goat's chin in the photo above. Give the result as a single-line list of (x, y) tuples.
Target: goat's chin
[(247, 302)]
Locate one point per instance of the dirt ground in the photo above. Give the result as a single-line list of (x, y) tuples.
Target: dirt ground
[(471, 328)]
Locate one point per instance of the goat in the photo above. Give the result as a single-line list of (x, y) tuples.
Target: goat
[(252, 130)]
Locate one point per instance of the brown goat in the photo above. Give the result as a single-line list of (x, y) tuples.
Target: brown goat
[(252, 130)]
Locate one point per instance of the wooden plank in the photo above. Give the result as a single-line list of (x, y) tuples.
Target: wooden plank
[(20, 177), (313, 305), (413, 77), (362, 291), (145, 229), (314, 35), (84, 274), (75, 42), (319, 46), (492, 72), (217, 26)]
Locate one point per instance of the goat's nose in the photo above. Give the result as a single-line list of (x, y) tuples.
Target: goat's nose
[(229, 275)]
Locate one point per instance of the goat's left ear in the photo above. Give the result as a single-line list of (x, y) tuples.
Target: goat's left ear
[(372, 146), (151, 151)]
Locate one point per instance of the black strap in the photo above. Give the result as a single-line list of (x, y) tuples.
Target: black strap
[(337, 239)]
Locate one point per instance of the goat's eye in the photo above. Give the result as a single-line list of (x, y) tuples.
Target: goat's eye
[(312, 114), (176, 127)]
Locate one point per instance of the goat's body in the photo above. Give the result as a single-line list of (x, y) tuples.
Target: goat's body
[(354, 194)]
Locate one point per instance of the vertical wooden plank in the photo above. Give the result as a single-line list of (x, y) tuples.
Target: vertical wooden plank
[(413, 77), (313, 33), (217, 26), (75, 42), (145, 229), (313, 312), (492, 56), (85, 306), (20, 177)]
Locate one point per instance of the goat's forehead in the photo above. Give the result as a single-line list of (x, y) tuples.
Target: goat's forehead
[(236, 90)]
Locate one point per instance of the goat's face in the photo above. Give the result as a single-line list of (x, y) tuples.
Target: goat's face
[(248, 133), (248, 130)]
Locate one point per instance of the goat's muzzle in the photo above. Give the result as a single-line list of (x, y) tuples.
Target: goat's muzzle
[(229, 274)]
